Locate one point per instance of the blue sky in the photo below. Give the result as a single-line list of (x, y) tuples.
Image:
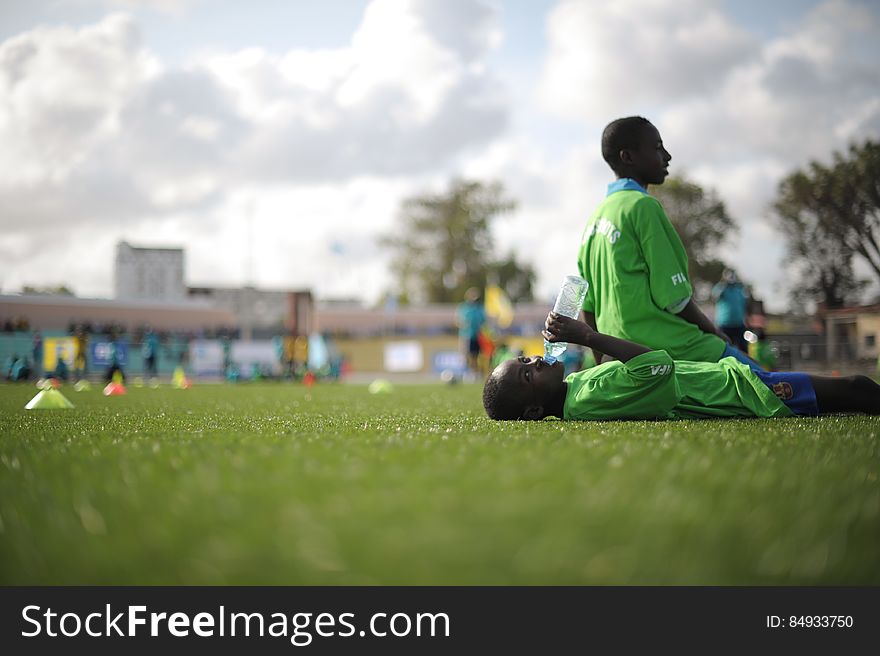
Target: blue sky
[(175, 29), (183, 122)]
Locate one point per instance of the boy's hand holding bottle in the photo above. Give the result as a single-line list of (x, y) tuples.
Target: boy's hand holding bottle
[(560, 328), (568, 303)]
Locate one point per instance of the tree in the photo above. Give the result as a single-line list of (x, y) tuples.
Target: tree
[(831, 216), (517, 280), (820, 259), (702, 222), (849, 192), (444, 245)]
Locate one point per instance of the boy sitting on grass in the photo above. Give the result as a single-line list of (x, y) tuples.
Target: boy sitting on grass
[(646, 384), (635, 261)]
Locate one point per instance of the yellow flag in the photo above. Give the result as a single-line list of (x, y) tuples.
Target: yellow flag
[(498, 306)]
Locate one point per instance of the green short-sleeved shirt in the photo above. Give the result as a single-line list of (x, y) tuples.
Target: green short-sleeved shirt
[(637, 268), (654, 386)]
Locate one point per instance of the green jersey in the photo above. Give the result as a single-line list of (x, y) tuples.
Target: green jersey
[(637, 269), (654, 386)]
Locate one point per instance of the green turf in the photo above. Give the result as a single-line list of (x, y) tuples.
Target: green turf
[(273, 484)]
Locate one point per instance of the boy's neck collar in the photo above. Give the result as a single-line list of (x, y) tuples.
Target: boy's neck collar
[(625, 184)]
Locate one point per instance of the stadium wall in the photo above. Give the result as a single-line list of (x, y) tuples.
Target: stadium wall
[(47, 313)]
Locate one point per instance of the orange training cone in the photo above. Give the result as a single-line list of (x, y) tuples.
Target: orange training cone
[(114, 389)]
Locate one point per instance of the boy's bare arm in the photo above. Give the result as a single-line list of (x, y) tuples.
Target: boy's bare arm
[(693, 314), (559, 328), (590, 319)]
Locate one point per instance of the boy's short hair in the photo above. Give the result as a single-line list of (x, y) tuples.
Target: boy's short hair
[(619, 135), (499, 401)]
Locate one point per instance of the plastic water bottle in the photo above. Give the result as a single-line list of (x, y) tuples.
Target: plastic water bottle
[(569, 302)]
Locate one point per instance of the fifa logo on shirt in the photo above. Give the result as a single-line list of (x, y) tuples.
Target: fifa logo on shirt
[(660, 369), (605, 228), (678, 278)]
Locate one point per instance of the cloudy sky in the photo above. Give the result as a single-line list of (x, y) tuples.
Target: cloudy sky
[(275, 139)]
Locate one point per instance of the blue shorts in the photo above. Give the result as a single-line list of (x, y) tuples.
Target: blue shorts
[(733, 352), (794, 389)]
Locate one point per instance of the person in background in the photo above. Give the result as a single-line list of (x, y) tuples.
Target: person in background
[(471, 317), (150, 352), (115, 363), (37, 353), (731, 302), (61, 370), (21, 370), (226, 345), (80, 359), (8, 365)]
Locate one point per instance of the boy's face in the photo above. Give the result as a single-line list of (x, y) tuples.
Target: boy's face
[(535, 382), (650, 161)]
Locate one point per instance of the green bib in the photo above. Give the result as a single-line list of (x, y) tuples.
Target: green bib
[(637, 268), (653, 386)]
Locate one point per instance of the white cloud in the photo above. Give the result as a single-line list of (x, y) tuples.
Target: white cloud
[(555, 198), (98, 136), (617, 58), (61, 91), (323, 237), (736, 115), (807, 94), (102, 139), (426, 75), (399, 99)]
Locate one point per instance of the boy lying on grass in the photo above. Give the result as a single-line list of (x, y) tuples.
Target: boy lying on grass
[(646, 384)]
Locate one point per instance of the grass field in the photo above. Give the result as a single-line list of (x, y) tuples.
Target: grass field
[(273, 484)]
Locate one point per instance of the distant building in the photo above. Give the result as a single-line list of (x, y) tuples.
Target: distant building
[(851, 333), (262, 313), (149, 274)]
